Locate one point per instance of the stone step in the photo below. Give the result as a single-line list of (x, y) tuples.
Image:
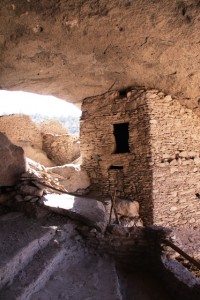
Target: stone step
[(21, 238), (34, 276), (83, 274)]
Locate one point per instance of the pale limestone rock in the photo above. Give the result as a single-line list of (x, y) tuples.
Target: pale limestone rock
[(173, 170), (183, 154), (127, 208), (153, 122), (151, 96), (161, 165), (166, 155), (193, 220), (193, 154), (174, 194), (178, 215), (168, 98), (173, 208), (38, 155), (89, 211), (74, 178), (173, 162), (197, 161)]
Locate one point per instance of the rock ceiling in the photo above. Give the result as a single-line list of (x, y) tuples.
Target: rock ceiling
[(74, 49)]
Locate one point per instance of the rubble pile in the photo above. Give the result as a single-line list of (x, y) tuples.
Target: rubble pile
[(32, 185)]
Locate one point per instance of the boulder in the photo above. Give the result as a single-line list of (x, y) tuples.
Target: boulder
[(89, 211), (38, 155), (12, 162), (127, 208), (74, 178)]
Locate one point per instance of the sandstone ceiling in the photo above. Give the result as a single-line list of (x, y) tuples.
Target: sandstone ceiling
[(74, 48)]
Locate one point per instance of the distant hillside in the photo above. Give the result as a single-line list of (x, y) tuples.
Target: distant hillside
[(69, 122)]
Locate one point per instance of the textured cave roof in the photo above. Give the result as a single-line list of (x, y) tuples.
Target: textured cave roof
[(74, 49)]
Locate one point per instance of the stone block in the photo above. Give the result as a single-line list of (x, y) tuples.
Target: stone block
[(89, 211), (30, 190), (127, 208), (74, 178)]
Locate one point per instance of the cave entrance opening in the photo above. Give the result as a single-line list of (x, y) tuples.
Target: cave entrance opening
[(47, 128)]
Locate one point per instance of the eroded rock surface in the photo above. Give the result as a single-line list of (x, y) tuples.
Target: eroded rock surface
[(73, 177), (89, 211), (12, 162), (75, 49)]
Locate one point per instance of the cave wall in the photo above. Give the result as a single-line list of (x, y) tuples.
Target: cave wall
[(162, 169), (75, 49)]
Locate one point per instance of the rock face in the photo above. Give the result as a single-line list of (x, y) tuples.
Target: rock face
[(127, 208), (73, 177), (61, 148), (89, 211), (110, 44), (12, 162), (55, 147), (23, 132)]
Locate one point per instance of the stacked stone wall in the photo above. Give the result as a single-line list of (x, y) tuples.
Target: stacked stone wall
[(162, 169), (128, 247), (22, 131), (133, 179), (61, 148), (175, 146)]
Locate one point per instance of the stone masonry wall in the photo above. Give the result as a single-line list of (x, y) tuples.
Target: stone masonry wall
[(61, 148), (175, 146), (130, 173), (21, 130), (162, 169)]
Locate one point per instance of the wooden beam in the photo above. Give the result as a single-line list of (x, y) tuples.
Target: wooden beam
[(181, 252)]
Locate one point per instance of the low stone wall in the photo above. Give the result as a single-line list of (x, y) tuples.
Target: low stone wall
[(126, 248), (62, 149), (130, 246)]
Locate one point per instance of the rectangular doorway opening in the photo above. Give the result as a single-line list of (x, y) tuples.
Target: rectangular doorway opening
[(121, 133)]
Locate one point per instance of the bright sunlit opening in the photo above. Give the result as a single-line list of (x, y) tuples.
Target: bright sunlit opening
[(29, 103)]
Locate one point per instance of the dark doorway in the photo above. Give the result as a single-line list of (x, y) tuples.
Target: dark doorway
[(121, 134), (116, 168)]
